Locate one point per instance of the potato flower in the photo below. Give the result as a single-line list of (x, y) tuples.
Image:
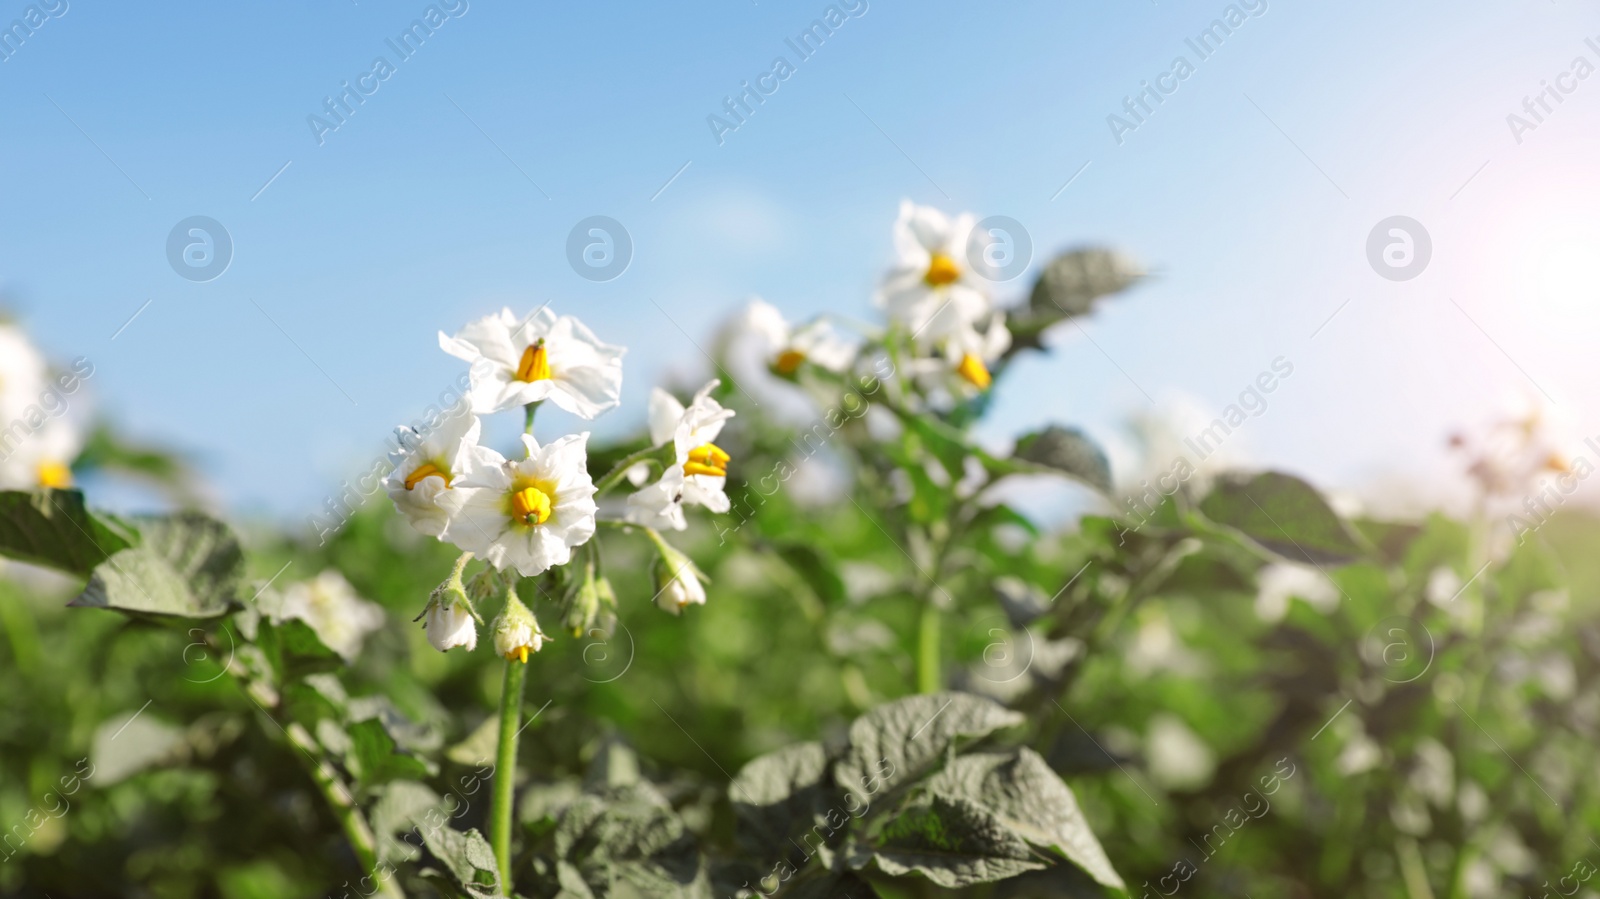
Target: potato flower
[(542, 357), (428, 466), (699, 472), (932, 291), (37, 444), (787, 347), (528, 514), (328, 603)]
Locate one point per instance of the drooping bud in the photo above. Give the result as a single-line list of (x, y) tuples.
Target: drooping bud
[(678, 580), (516, 631), (451, 617)]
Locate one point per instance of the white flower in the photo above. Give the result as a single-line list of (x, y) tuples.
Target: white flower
[(341, 619), (37, 451), (516, 632), (699, 472), (528, 514), (1279, 582), (960, 370), (787, 348), (37, 441), (22, 374), (972, 351), (449, 626), (541, 357), (428, 466), (932, 290)]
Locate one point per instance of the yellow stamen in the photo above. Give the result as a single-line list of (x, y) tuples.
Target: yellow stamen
[(942, 270), (518, 654), (974, 372), (708, 459), (425, 471), (530, 505), (1557, 463), (788, 362), (535, 364), (54, 475)]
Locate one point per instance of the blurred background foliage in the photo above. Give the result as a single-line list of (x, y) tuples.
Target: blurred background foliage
[(1248, 691)]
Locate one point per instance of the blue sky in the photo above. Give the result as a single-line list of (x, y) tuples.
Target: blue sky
[(1250, 190)]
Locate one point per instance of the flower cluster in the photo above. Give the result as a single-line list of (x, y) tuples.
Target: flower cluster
[(531, 513), (941, 318), (539, 511), (38, 440)]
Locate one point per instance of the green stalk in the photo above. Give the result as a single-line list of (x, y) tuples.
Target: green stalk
[(505, 768), (615, 474), (929, 679)]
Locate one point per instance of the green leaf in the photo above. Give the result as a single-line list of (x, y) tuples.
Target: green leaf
[(376, 757), (187, 565), (951, 841), (899, 742), (469, 858), (633, 842), (1073, 280), (1068, 288), (1028, 797), (1069, 451), (54, 529), (1284, 515), (408, 807), (781, 795)]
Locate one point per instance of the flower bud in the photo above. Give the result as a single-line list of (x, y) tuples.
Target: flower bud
[(451, 617), (678, 581), (516, 631)]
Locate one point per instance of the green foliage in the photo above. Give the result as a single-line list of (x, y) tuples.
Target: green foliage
[(54, 529), (1243, 691)]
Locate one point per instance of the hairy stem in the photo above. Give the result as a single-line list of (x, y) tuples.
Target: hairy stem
[(505, 769)]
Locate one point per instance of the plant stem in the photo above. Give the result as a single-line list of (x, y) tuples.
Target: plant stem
[(929, 678), (615, 474), (505, 770), (527, 421)]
